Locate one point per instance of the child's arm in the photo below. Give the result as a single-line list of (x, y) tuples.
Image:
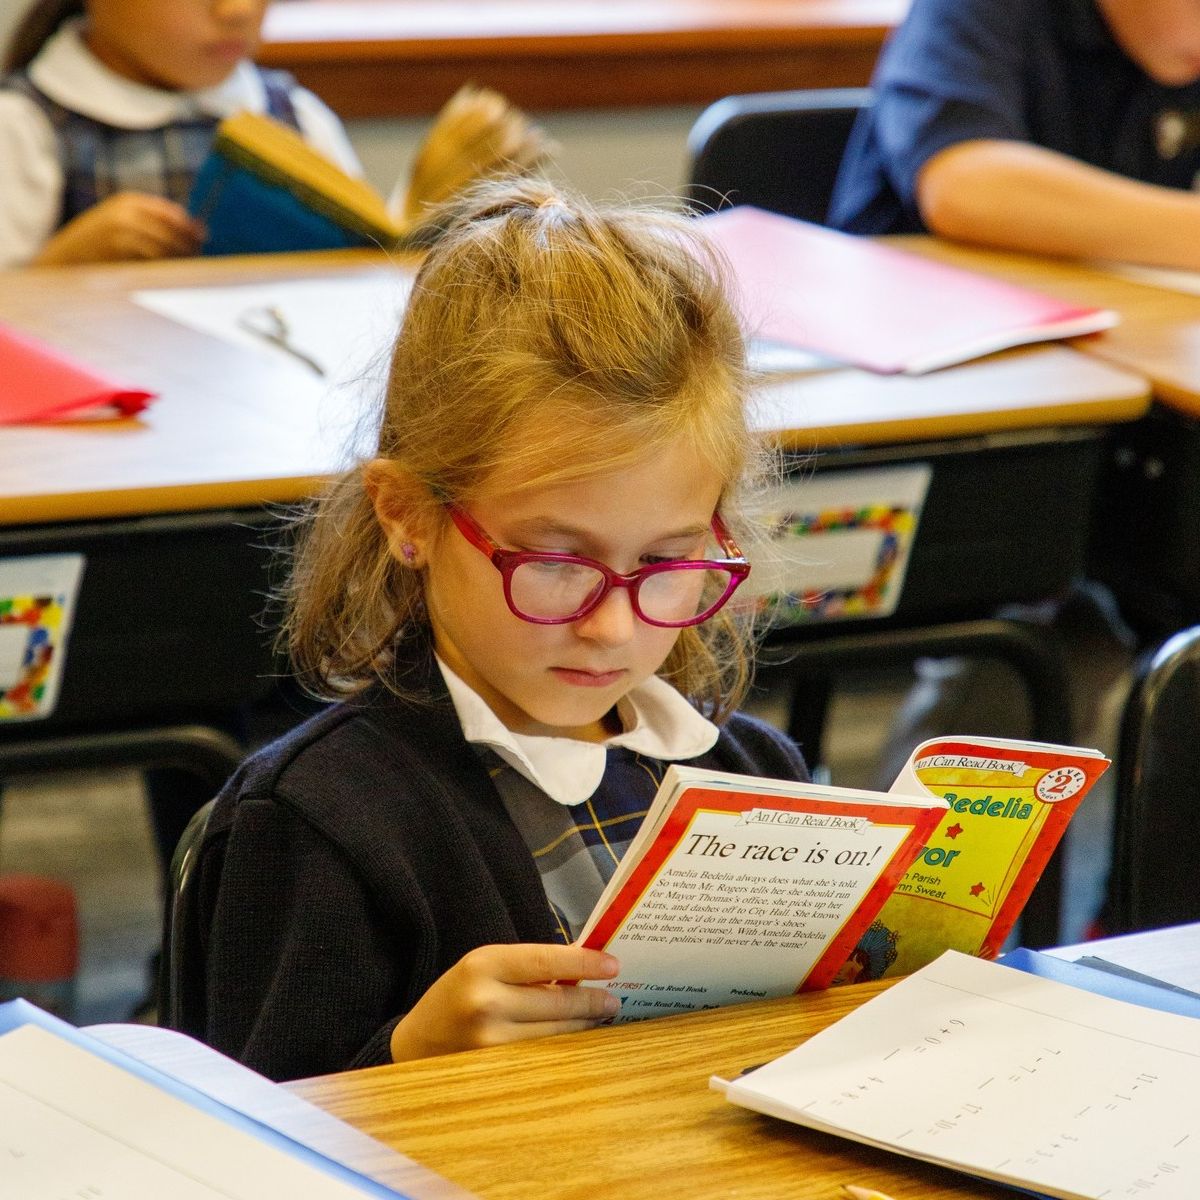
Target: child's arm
[(1018, 196), (498, 994), (129, 225)]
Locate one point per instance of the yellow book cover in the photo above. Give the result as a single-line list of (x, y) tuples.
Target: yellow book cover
[(1009, 803)]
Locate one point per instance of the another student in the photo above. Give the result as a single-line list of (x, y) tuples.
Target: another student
[(109, 109), (1060, 127), (506, 599)]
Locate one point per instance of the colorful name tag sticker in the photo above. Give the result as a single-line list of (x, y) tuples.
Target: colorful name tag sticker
[(37, 606), (839, 543)]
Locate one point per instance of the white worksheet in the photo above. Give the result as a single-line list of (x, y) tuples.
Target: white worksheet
[(345, 326), (1008, 1076)]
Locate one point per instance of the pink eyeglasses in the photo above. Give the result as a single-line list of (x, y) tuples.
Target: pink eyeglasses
[(555, 589)]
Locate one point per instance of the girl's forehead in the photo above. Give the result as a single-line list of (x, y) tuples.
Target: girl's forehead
[(666, 489)]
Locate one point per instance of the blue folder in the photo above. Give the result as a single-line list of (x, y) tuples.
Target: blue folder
[(16, 1013), (1108, 981)]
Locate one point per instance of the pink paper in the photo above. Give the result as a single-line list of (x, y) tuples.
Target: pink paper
[(39, 383)]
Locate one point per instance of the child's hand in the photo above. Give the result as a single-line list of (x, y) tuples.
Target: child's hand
[(499, 994), (129, 225)]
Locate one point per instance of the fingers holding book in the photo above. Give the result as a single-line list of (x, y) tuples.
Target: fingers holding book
[(506, 993)]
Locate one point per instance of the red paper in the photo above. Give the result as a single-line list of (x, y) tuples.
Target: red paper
[(868, 304), (38, 383)]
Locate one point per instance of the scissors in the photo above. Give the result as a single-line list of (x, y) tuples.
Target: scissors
[(268, 323)]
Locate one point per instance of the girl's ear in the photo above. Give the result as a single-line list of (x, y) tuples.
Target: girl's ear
[(401, 506)]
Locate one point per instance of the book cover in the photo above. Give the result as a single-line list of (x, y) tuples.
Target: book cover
[(263, 189), (1006, 1076), (738, 888), (43, 384), (874, 306), (1008, 805)]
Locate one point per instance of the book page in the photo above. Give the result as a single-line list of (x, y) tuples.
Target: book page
[(1012, 1077), (127, 1138), (746, 894)]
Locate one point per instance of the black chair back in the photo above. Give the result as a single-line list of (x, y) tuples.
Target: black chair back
[(776, 150), (1156, 836), (181, 967)]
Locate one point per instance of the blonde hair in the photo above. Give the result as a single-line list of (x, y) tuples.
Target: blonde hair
[(545, 341)]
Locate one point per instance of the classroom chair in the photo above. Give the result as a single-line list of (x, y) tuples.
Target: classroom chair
[(1156, 831), (776, 150), (180, 967)]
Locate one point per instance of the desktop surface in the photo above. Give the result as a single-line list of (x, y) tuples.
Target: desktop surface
[(625, 1111)]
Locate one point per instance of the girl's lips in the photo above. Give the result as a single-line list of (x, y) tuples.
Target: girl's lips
[(595, 679)]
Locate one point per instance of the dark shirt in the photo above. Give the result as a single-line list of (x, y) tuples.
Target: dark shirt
[(1047, 72), (350, 864)]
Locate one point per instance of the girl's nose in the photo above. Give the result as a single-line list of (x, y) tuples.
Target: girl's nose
[(612, 623)]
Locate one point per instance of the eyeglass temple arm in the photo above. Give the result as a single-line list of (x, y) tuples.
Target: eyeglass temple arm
[(725, 538)]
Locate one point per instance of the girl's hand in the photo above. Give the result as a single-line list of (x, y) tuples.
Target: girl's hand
[(129, 225), (499, 994)]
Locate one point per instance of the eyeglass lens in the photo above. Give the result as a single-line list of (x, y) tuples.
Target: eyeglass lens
[(550, 590)]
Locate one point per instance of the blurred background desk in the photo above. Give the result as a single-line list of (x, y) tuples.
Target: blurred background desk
[(389, 57), (1147, 543), (169, 507)]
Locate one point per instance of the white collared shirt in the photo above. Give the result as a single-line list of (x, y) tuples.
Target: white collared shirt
[(656, 721), (31, 180)]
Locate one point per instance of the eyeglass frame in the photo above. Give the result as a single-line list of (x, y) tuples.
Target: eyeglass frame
[(507, 561)]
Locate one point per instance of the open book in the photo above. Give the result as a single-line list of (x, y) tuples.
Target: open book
[(1006, 1076), (871, 305), (738, 888), (264, 189)]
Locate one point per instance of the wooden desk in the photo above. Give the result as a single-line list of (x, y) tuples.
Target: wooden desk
[(1147, 543), (1159, 333), (232, 428), (624, 1111), (400, 57), (168, 507)]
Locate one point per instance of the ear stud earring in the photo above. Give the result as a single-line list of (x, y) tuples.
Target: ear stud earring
[(409, 553)]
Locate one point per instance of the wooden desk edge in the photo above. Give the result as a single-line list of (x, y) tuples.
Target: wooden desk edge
[(153, 501), (371, 69)]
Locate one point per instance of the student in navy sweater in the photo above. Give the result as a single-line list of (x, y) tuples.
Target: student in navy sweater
[(1060, 127), (508, 601)]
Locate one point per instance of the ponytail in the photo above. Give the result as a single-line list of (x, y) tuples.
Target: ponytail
[(34, 30)]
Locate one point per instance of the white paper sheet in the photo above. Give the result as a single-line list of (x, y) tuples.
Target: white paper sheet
[(347, 326), (1008, 1076), (75, 1126), (1172, 955)]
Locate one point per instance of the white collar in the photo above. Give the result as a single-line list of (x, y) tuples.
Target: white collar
[(657, 721), (71, 75)]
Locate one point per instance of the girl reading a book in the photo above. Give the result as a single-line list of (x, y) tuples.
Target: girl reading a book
[(521, 604), (107, 110)]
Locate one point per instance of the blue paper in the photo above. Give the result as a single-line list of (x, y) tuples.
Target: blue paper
[(1142, 990)]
